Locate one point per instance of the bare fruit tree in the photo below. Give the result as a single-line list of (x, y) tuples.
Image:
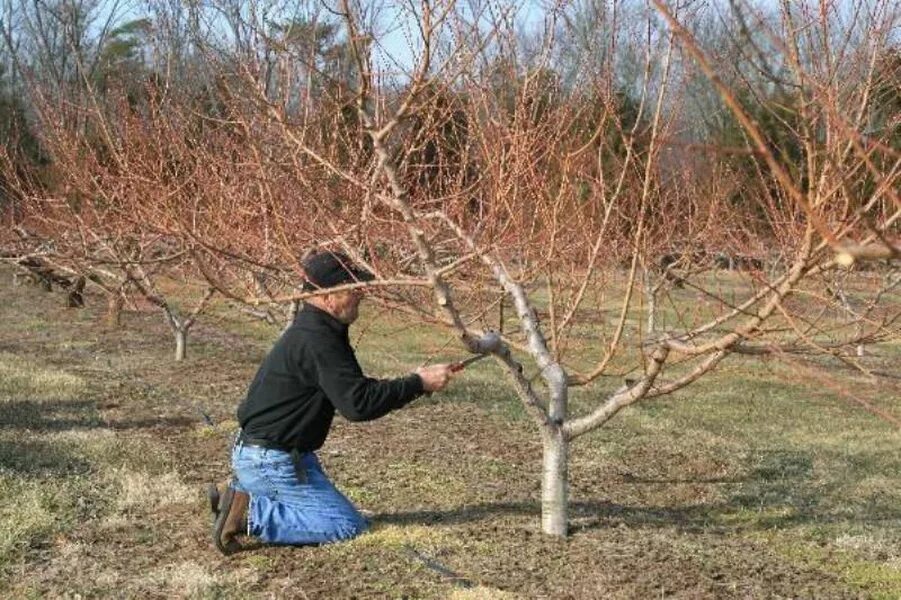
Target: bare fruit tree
[(558, 263), (95, 226)]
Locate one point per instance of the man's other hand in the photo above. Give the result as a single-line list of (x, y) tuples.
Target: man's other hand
[(435, 377)]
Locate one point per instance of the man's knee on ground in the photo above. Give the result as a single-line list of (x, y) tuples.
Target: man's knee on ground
[(347, 529)]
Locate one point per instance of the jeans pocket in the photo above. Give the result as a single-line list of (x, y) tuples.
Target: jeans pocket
[(277, 470), (250, 465)]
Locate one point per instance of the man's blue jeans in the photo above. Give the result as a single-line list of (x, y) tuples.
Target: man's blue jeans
[(285, 511)]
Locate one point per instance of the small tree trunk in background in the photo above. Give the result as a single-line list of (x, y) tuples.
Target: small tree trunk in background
[(181, 325), (113, 316), (178, 328), (75, 296), (846, 304), (554, 483), (181, 342), (651, 295)]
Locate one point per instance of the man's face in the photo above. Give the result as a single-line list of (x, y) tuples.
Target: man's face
[(345, 306)]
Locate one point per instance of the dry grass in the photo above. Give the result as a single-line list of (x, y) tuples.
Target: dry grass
[(754, 483), (144, 492)]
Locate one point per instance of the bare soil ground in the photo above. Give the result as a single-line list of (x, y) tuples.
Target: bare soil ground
[(754, 484)]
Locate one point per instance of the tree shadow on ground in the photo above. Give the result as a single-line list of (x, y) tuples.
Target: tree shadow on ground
[(33, 458), (48, 415), (154, 423), (57, 415), (588, 515), (779, 492)]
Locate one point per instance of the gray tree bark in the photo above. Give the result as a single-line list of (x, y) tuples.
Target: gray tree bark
[(650, 291), (181, 342), (555, 483)]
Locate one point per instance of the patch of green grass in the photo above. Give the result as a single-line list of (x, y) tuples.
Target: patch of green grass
[(259, 562), (36, 506), (20, 379), (67, 468), (879, 579), (360, 495), (420, 480), (32, 503), (27, 325), (755, 518), (226, 428), (481, 592), (188, 580), (29, 510), (397, 536)]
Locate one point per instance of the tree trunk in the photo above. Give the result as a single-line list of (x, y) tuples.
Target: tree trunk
[(181, 340), (651, 298), (554, 484), (114, 310), (75, 295), (846, 304)]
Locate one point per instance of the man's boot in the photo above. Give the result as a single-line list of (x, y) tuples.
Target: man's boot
[(231, 520), (213, 495)]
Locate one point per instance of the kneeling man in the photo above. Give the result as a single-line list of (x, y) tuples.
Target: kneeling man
[(279, 493)]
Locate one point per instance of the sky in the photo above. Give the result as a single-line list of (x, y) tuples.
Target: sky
[(401, 38)]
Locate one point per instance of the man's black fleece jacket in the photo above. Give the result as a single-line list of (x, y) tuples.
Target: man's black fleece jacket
[(309, 373)]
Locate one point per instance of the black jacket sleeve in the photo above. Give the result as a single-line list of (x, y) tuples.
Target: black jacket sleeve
[(355, 396)]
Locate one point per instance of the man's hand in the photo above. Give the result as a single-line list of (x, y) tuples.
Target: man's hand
[(435, 377)]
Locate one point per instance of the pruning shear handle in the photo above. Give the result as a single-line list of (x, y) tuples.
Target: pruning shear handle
[(459, 366)]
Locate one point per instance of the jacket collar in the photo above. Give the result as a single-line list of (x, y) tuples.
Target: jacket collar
[(314, 314)]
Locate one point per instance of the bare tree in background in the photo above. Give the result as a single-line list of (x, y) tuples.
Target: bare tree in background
[(81, 217)]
